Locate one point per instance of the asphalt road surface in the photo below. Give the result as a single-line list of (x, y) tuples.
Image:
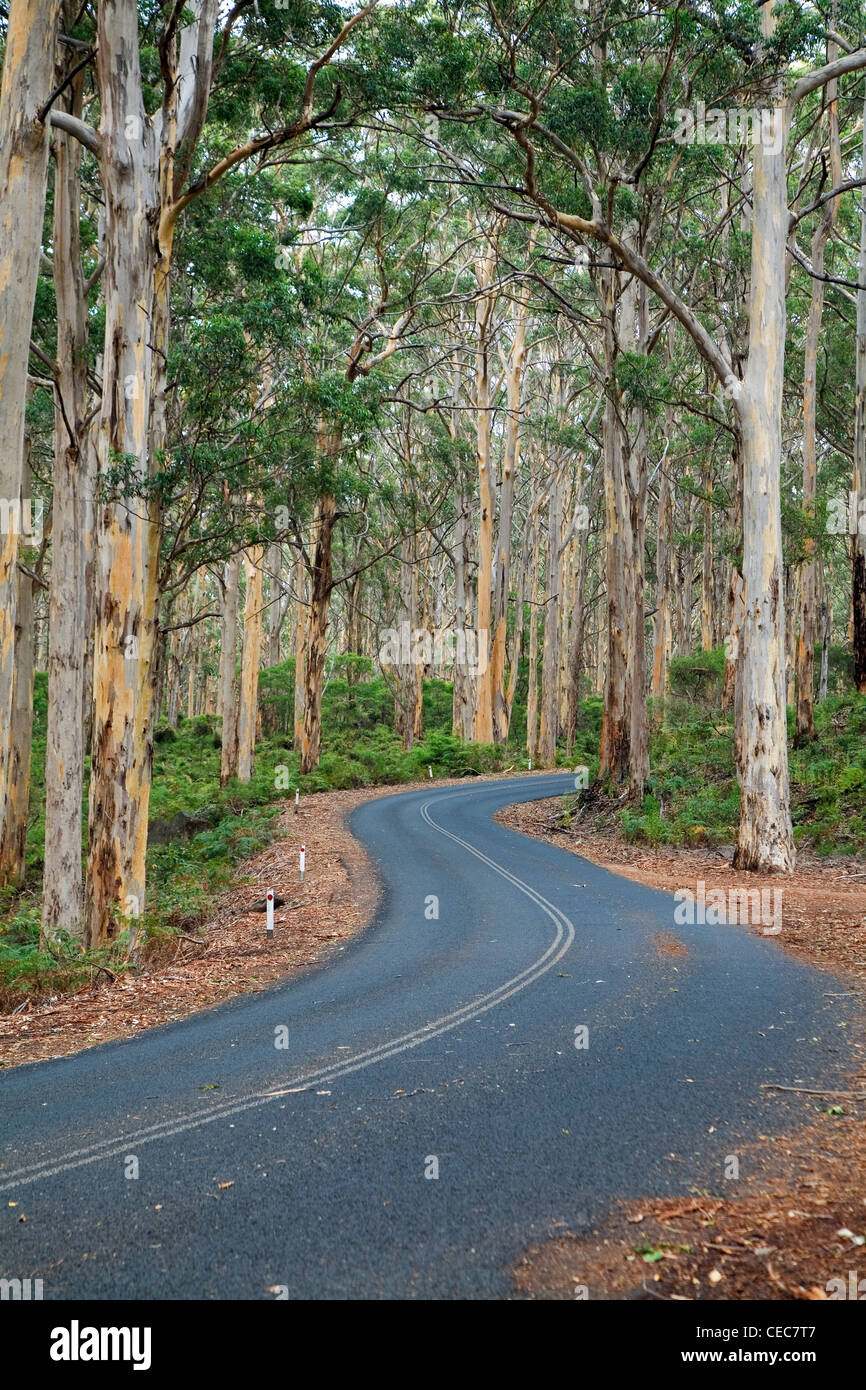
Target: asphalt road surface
[(433, 1044)]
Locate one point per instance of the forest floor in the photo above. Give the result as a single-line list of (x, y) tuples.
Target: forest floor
[(229, 954), (797, 1216)]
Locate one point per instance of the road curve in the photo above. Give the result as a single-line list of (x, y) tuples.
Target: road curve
[(440, 1041)]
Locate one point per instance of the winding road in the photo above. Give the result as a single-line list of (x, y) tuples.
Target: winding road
[(404, 1121)]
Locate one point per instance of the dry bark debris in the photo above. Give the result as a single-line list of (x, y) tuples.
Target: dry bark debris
[(778, 1232), (793, 1223), (336, 901)]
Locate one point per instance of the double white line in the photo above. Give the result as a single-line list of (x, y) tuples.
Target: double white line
[(122, 1144)]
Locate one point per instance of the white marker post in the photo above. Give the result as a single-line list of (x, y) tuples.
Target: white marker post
[(530, 764), (303, 860), (297, 799), (270, 915), (430, 770)]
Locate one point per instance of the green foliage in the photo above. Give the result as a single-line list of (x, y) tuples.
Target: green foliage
[(699, 676)]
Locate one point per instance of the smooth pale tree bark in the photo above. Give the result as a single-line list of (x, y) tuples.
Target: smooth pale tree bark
[(407, 620), (300, 647), (419, 620), (624, 736), (858, 544), (193, 645), (28, 75), (123, 656), (734, 634), (72, 542), (461, 713), (578, 623), (517, 639), (484, 305), (549, 723), (662, 623), (514, 365), (685, 575), (228, 682), (600, 644), (13, 839), (532, 692), (461, 704), (635, 327), (792, 606), (766, 839), (251, 658), (575, 655), (174, 678), (825, 649), (707, 565), (276, 609), (734, 351), (808, 625), (618, 550), (321, 586), (354, 626)]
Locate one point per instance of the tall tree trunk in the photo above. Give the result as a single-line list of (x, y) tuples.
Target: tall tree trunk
[(73, 508), (300, 648), (549, 725), (275, 607), (408, 670), (662, 625), (638, 763), (461, 715), (858, 544), (13, 839), (532, 692), (174, 679), (354, 627), (517, 639), (483, 722), (123, 658), (766, 840), (321, 587), (228, 683), (252, 651), (618, 549), (687, 583), (502, 585), (28, 75), (808, 633), (192, 645), (707, 566), (575, 653), (734, 636)]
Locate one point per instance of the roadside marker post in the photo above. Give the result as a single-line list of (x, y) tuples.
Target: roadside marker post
[(270, 916), (303, 860), (297, 799), (430, 770)]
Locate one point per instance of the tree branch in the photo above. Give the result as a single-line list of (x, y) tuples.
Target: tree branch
[(84, 133)]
